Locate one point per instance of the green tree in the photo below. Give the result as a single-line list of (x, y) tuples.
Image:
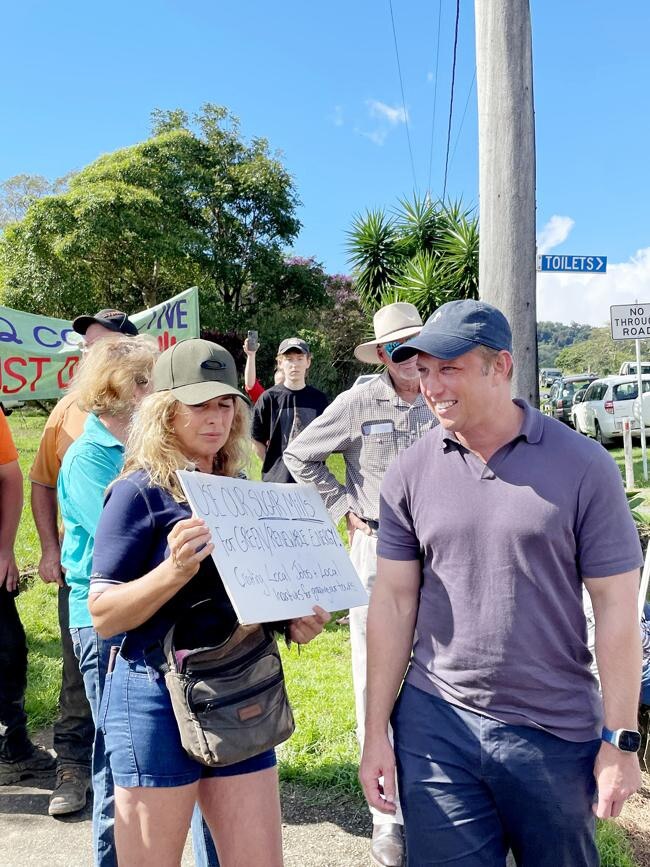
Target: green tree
[(425, 253), (552, 337), (194, 204), (599, 354)]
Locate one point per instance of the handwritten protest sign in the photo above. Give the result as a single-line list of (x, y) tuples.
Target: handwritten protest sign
[(275, 546), (38, 354)]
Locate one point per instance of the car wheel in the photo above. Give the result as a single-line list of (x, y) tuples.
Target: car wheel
[(603, 440)]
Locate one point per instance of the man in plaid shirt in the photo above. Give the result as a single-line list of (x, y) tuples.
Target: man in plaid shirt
[(369, 425)]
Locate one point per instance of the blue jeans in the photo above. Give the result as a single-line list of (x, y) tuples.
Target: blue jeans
[(93, 653), (472, 788)]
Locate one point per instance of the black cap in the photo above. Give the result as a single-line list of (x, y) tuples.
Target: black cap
[(293, 344), (456, 328), (114, 320)]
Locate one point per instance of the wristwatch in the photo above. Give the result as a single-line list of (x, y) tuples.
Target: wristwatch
[(624, 739)]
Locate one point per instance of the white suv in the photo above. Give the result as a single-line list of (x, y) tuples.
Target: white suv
[(599, 410)]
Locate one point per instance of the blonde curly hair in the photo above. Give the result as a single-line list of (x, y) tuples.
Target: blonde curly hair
[(105, 381), (152, 445)]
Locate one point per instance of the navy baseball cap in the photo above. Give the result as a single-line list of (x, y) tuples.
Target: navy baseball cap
[(456, 328)]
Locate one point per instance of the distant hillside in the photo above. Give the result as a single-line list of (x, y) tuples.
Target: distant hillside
[(553, 337)]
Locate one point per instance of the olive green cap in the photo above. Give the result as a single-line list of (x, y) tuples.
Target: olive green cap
[(196, 370)]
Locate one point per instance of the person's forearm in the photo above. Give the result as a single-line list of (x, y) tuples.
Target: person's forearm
[(11, 506), (44, 510), (250, 372), (259, 449), (618, 654), (333, 494), (391, 624), (119, 609)]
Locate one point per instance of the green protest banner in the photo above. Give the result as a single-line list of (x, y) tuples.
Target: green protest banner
[(38, 354)]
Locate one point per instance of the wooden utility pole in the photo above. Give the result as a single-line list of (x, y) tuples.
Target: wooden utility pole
[(504, 76)]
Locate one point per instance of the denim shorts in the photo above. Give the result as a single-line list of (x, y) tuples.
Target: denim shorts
[(141, 735)]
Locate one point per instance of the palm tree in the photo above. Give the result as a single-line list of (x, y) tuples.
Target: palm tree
[(426, 253)]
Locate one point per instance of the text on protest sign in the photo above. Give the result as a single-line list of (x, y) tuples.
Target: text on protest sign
[(39, 354), (276, 548)]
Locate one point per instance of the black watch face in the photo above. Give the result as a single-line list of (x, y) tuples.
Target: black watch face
[(629, 741)]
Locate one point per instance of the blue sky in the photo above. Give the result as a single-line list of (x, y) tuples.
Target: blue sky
[(320, 82)]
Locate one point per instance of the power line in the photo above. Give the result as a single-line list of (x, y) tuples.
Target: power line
[(399, 72), (435, 97), (451, 98), (462, 120)]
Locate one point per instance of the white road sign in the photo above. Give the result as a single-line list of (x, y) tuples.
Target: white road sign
[(630, 321)]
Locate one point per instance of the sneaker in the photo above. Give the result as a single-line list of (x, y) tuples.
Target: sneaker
[(70, 791), (35, 762)]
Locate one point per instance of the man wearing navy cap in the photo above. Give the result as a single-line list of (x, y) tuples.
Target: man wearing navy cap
[(489, 527)]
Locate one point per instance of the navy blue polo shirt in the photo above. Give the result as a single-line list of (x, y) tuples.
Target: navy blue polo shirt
[(131, 540)]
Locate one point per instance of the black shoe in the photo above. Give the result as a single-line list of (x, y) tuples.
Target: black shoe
[(387, 849), (70, 792), (34, 763)]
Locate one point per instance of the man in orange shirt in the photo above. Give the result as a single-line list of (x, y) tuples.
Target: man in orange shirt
[(74, 730), (18, 756)]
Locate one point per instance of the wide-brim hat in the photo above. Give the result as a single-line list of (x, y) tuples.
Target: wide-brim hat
[(393, 322), (196, 370), (114, 320)]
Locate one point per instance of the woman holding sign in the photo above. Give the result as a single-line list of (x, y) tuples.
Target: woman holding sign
[(152, 570)]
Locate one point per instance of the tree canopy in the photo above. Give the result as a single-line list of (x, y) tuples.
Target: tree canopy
[(425, 252), (193, 204), (599, 354), (552, 337)]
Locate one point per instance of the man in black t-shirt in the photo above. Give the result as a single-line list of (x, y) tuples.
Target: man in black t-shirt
[(285, 410)]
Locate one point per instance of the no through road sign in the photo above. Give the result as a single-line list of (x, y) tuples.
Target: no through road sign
[(630, 321)]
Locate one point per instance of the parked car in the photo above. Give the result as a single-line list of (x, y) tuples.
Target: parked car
[(599, 411), (629, 367), (560, 398), (548, 375)]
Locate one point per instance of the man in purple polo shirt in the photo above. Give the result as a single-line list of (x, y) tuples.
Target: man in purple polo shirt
[(489, 527)]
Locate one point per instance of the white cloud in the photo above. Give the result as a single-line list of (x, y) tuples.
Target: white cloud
[(429, 77), (337, 116), (554, 232), (393, 114), (388, 117), (376, 136), (586, 298)]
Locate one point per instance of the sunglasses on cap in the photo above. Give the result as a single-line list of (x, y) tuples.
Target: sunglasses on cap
[(389, 348)]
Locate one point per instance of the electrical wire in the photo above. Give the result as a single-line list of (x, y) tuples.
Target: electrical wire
[(435, 98), (451, 98), (399, 72), (462, 120)]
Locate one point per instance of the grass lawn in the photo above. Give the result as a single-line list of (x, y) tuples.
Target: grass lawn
[(637, 459), (322, 754)]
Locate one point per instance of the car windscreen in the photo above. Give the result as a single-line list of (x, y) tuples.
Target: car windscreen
[(570, 388), (629, 390)]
